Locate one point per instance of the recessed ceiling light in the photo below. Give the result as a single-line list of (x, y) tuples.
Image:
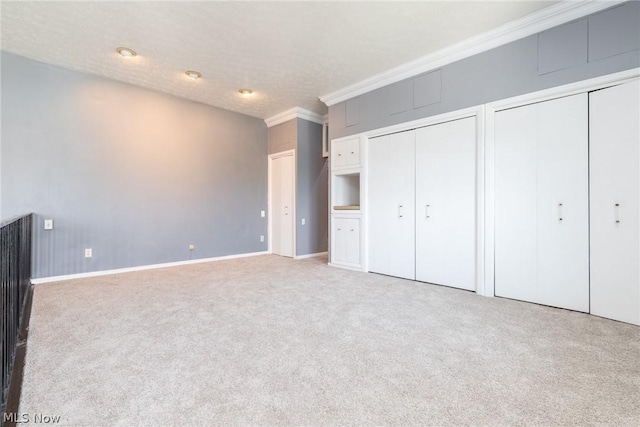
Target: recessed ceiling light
[(193, 75), (126, 52), (245, 92)]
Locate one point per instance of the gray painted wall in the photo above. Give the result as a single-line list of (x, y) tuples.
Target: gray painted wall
[(311, 190), (133, 174), (603, 43), (311, 181), (283, 137)]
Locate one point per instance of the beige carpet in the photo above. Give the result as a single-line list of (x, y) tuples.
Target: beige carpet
[(272, 341)]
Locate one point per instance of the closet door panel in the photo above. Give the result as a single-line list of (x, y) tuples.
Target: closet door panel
[(446, 203), (615, 180), (541, 203), (563, 202), (516, 274), (391, 198)]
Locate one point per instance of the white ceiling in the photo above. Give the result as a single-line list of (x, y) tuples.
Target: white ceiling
[(289, 53)]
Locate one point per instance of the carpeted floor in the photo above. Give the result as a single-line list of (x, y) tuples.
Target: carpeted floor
[(273, 341)]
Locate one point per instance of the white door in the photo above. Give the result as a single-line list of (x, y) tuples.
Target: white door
[(282, 198), (542, 203), (391, 198), (614, 118), (515, 217), (446, 203)]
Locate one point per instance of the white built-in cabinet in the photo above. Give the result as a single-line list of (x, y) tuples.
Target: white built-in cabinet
[(542, 203), (614, 162), (422, 204), (345, 204)]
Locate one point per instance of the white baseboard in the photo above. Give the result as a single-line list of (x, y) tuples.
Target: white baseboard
[(318, 254), (142, 267), (346, 267)]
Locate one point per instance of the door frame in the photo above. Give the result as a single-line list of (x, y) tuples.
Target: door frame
[(270, 160), (518, 101)]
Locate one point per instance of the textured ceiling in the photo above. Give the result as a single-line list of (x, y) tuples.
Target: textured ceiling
[(289, 53)]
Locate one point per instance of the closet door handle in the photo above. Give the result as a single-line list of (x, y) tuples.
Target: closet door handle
[(559, 211), (616, 207), (426, 211), (399, 211), (286, 210)]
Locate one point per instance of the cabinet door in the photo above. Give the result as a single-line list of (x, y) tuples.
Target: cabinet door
[(615, 202), (391, 204), (339, 154), (541, 203), (446, 204), (353, 152), (346, 246), (345, 153)]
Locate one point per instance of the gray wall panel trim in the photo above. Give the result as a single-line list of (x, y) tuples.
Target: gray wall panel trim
[(499, 73), (563, 47), (311, 190), (133, 174), (614, 31), (400, 97)]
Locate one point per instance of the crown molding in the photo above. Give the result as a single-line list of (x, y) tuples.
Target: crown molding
[(294, 113), (536, 22)]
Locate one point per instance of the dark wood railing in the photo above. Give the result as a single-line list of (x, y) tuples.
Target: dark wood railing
[(15, 278)]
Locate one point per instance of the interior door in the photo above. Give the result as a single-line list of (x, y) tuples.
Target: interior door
[(391, 209), (614, 117), (282, 215), (541, 203), (563, 202), (446, 204)]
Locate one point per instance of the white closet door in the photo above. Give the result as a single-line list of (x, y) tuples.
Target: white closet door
[(446, 204), (541, 203), (614, 115), (391, 198), (515, 217), (282, 176), (563, 202)]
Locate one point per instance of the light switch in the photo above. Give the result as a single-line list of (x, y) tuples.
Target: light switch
[(262, 214), (304, 221), (48, 224)]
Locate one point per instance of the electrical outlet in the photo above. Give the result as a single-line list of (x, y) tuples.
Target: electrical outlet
[(304, 221), (88, 253), (262, 214), (262, 238), (192, 247), (48, 224)]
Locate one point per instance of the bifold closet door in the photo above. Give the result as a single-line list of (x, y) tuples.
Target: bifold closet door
[(446, 203), (542, 203), (391, 204), (614, 119)]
